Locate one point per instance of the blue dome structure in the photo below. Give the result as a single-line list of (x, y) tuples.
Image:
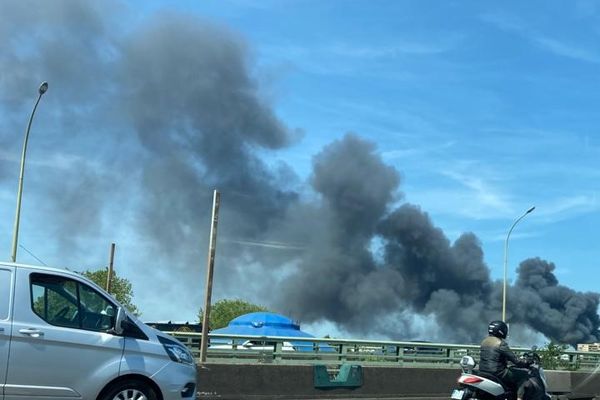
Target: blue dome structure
[(267, 324), (263, 324)]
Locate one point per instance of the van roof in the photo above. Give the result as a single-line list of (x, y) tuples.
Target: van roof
[(40, 267), (59, 270)]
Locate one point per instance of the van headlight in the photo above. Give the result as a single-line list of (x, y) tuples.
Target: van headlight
[(176, 351)]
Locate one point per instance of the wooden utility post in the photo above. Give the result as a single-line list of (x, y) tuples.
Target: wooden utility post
[(110, 268), (212, 245)]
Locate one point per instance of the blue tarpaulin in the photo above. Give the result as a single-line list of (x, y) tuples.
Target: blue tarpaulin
[(268, 324)]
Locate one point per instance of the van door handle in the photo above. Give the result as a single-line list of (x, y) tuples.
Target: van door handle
[(1, 329), (31, 332)]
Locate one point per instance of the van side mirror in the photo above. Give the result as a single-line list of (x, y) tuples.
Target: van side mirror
[(119, 319)]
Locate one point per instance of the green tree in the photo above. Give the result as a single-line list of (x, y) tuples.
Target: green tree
[(552, 357), (223, 311), (120, 287)]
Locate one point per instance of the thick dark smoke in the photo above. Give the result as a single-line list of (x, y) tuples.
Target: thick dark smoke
[(556, 310), (68, 178), (197, 112), (450, 281), (338, 277), (146, 115), (421, 271)]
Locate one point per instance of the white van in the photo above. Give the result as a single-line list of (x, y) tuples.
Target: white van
[(63, 337)]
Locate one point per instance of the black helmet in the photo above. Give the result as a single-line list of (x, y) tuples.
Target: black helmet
[(498, 329)]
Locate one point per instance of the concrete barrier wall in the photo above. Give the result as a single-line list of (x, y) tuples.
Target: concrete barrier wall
[(264, 381), (268, 381), (585, 383)]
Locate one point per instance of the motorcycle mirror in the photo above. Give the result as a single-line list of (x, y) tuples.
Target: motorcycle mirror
[(534, 348)]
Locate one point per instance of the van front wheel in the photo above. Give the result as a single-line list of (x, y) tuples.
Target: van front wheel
[(132, 390)]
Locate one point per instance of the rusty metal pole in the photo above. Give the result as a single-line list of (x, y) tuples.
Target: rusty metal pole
[(110, 268), (209, 274)]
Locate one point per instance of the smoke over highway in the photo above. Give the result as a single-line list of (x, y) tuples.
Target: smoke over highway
[(421, 270), (142, 121)]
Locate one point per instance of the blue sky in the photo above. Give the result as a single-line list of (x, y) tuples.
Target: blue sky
[(484, 108)]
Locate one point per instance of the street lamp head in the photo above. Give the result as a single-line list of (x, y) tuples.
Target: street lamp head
[(530, 210), (43, 88)]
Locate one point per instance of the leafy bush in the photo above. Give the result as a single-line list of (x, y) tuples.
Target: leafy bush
[(553, 357), (223, 311)]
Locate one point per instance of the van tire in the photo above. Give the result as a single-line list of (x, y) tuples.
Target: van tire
[(129, 390)]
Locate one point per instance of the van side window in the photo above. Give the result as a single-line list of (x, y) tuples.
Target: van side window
[(97, 313), (56, 300), (5, 286), (65, 302)]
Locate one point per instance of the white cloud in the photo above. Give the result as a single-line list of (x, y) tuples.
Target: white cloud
[(553, 45), (398, 49), (415, 152), (267, 244), (460, 202), (341, 58), (501, 236), (55, 160), (485, 198), (504, 22), (566, 49), (565, 207), (259, 5), (480, 200)]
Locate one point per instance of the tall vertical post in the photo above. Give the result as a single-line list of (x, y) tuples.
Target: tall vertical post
[(109, 275), (13, 255), (506, 260), (209, 274)]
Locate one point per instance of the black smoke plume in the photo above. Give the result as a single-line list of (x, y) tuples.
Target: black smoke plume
[(341, 280), (556, 310), (146, 115)]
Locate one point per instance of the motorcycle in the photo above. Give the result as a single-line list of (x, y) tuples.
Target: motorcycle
[(477, 385)]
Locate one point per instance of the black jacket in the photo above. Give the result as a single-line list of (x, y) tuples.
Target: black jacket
[(495, 355)]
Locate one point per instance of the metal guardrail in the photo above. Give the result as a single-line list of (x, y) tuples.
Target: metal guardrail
[(295, 350)]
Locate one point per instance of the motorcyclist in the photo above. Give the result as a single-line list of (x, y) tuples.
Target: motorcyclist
[(495, 354)]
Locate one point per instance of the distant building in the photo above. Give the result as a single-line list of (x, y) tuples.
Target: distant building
[(176, 326), (593, 347)]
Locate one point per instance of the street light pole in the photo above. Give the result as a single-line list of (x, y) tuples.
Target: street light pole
[(13, 257), (506, 260)]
